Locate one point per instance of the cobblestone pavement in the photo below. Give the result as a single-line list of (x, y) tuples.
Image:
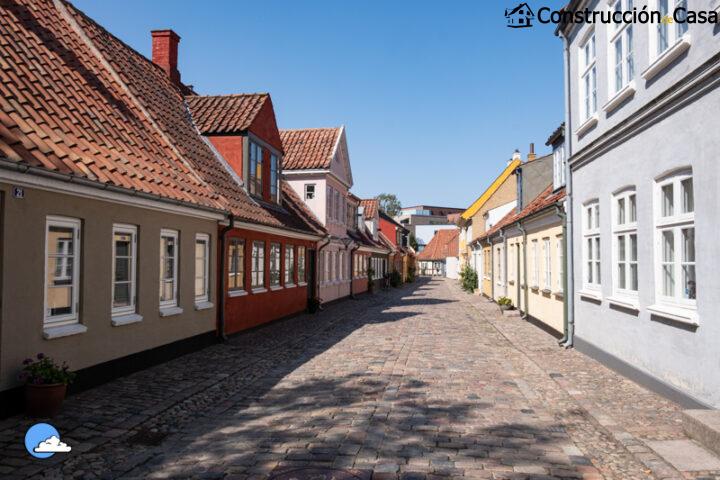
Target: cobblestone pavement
[(420, 382)]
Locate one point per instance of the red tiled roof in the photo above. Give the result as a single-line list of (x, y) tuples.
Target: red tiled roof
[(445, 243), (370, 207), (542, 201), (363, 239), (75, 99), (225, 113), (309, 148)]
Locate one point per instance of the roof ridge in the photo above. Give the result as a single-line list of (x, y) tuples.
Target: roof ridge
[(231, 95), (310, 128)]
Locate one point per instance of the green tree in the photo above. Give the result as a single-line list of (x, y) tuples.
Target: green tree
[(389, 204), (413, 241)]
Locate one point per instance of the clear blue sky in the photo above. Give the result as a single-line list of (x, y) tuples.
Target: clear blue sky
[(435, 95)]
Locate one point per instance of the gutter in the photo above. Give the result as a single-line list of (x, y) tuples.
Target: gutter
[(568, 233), (223, 278), (24, 168)]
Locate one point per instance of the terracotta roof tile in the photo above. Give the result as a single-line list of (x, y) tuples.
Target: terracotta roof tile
[(370, 206), (445, 243), (542, 201), (225, 113), (310, 148)]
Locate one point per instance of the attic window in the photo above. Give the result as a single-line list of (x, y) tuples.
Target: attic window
[(309, 191)]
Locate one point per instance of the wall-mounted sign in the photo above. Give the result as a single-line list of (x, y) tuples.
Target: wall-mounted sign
[(18, 192)]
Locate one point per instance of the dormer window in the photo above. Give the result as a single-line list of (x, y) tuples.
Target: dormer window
[(274, 178), (309, 191), (255, 184), (559, 166)]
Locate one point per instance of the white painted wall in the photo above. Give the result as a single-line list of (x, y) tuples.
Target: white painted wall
[(452, 267)]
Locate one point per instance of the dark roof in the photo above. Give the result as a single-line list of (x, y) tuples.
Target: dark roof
[(363, 239), (556, 135), (445, 243), (546, 199), (225, 113), (310, 148), (75, 99)]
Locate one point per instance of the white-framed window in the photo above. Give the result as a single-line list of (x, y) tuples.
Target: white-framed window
[(309, 191), (536, 264), (547, 254), (169, 252), (274, 264), (202, 267), (257, 272), (559, 286), (559, 167), (341, 266), (236, 264), (675, 239), (500, 265), (274, 177), (124, 269), (665, 35), (301, 264), (588, 77), (289, 264), (511, 262), (255, 180), (625, 243), (62, 270), (591, 245), (326, 267), (621, 57)]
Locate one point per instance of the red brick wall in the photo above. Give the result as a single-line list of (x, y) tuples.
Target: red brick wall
[(231, 148), (251, 310)]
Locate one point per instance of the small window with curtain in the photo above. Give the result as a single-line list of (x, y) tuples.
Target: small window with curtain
[(202, 268), (274, 264), (236, 264), (289, 265), (169, 252), (124, 269), (258, 265), (301, 265), (62, 271)]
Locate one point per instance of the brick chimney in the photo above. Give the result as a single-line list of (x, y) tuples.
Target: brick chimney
[(531, 154), (165, 52)]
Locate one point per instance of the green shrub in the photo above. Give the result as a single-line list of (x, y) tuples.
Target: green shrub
[(410, 275), (504, 302), (468, 278), (395, 279)]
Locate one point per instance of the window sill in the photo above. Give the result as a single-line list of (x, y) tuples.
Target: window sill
[(559, 294), (546, 291), (511, 282), (587, 124), (275, 288), (204, 306), (255, 291), (50, 333), (667, 57), (626, 303), (302, 284), (126, 319), (597, 296), (237, 293), (170, 311), (290, 285), (687, 316), (620, 97)]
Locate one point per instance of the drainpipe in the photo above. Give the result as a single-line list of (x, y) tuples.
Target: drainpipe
[(328, 239), (526, 314), (492, 269), (560, 213), (503, 241), (223, 277), (518, 270), (569, 261)]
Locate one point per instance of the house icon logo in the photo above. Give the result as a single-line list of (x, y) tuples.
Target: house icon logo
[(520, 16)]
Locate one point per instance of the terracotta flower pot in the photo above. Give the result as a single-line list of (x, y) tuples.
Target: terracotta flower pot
[(44, 400)]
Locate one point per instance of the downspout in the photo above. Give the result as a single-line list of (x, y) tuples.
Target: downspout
[(223, 277), (569, 261), (560, 213), (503, 241), (492, 269), (526, 313), (518, 270), (328, 239)]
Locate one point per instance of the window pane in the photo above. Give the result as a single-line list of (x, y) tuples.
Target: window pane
[(632, 208), (621, 211), (167, 289), (690, 286), (668, 246), (621, 248), (122, 269), (688, 235), (621, 275), (668, 281), (633, 248), (122, 244), (633, 277), (688, 199), (597, 248), (667, 200), (121, 295), (618, 64), (630, 62), (597, 217)]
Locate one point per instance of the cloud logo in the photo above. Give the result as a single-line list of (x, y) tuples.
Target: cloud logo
[(52, 445), (42, 440)]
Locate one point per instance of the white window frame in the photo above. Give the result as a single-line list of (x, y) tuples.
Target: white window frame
[(500, 265), (257, 265), (74, 315), (592, 246), (675, 223), (309, 191), (132, 308), (624, 35), (511, 262), (623, 230), (205, 296), (559, 167), (240, 263), (255, 182), (301, 265), (675, 32), (588, 77), (275, 256), (174, 234), (536, 264), (560, 253), (289, 273), (274, 177), (548, 264)]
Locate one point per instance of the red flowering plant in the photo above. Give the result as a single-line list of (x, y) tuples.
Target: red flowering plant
[(44, 371)]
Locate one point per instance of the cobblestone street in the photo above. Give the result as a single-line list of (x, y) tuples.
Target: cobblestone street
[(420, 382)]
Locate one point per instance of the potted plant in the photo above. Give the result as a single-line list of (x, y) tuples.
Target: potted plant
[(505, 303), (45, 385)]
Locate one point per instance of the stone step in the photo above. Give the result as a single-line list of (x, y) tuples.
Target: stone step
[(704, 427)]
